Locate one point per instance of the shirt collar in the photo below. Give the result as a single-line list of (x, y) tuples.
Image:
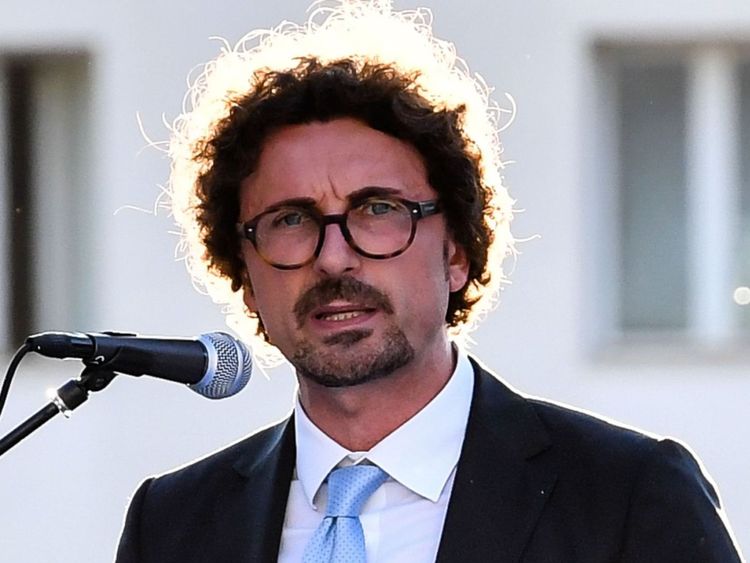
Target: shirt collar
[(421, 454)]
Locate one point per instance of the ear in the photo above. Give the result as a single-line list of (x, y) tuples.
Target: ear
[(457, 266), (248, 295)]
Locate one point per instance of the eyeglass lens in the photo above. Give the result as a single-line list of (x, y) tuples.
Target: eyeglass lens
[(290, 235)]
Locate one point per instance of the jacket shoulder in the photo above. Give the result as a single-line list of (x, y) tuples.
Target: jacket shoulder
[(238, 457), (587, 431), (648, 497), (558, 425), (223, 507), (602, 452)]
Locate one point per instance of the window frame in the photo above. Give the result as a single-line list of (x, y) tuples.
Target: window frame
[(714, 327)]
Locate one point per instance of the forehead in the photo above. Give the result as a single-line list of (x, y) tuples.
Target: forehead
[(328, 161)]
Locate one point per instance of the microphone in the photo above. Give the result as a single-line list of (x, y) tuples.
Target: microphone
[(215, 365)]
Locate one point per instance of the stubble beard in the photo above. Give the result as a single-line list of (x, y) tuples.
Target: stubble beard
[(349, 357), (333, 365)]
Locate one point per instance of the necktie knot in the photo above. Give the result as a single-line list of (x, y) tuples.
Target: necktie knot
[(340, 538), (350, 487)]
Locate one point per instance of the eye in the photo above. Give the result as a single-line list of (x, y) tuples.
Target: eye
[(289, 218), (379, 206)]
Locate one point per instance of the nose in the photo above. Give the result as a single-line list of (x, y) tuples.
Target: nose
[(336, 256)]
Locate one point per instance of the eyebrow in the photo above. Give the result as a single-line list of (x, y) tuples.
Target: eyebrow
[(305, 202), (371, 191), (353, 198)]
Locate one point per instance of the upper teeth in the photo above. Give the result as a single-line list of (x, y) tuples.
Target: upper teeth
[(341, 316)]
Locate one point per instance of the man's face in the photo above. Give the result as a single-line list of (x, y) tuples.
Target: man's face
[(344, 319)]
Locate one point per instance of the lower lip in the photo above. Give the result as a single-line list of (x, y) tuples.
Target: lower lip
[(332, 325)]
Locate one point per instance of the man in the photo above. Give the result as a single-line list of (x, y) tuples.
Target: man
[(342, 180)]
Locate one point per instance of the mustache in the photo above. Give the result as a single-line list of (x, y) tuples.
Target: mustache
[(345, 288)]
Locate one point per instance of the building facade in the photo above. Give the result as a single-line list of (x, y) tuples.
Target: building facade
[(630, 153)]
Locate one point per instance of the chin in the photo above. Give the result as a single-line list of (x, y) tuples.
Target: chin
[(345, 361)]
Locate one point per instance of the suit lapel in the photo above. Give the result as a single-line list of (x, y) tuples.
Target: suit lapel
[(502, 481), (268, 472)]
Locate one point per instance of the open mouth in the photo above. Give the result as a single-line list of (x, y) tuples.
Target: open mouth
[(335, 303), (343, 312), (338, 316)]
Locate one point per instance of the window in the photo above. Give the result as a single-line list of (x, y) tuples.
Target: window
[(44, 146), (674, 125)]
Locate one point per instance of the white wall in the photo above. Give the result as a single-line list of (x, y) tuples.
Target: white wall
[(64, 490)]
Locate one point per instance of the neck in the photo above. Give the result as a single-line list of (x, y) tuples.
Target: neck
[(360, 416)]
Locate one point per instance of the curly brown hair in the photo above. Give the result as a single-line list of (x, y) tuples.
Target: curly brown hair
[(411, 87), (375, 94)]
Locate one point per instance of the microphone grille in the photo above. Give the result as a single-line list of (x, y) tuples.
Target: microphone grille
[(229, 366)]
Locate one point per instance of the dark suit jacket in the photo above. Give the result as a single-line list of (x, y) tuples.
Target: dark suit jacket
[(536, 482)]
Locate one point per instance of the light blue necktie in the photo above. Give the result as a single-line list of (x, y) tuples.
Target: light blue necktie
[(339, 538)]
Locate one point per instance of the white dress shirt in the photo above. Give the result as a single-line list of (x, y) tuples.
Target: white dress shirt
[(403, 519)]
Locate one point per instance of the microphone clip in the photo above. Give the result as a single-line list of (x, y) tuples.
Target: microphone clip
[(76, 391), (67, 398)]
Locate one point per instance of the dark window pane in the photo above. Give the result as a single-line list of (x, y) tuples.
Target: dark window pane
[(653, 197)]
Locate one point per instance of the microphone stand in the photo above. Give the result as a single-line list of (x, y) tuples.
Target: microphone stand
[(67, 398)]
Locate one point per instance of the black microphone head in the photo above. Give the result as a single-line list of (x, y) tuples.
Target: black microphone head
[(228, 368)]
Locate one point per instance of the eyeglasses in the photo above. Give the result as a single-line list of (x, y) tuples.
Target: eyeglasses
[(291, 236)]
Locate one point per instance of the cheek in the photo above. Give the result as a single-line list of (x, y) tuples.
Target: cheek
[(424, 286), (272, 293), (258, 281)]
